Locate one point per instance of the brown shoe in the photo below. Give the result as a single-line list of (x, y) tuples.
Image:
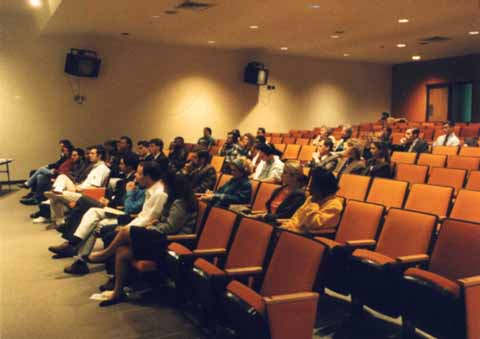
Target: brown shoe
[(64, 250)]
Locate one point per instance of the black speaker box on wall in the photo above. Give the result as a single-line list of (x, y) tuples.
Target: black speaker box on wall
[(82, 63), (256, 74)]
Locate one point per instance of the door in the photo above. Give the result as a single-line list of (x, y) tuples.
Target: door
[(438, 102)]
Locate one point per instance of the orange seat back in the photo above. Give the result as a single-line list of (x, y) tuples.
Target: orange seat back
[(277, 140), (413, 174), (306, 153), (468, 163), (255, 184), (429, 199), (218, 229), (280, 147), (473, 182), (353, 186), (291, 152), (217, 162), (445, 150), (263, 195), (289, 140), (302, 141), (470, 152), (404, 157), (222, 180), (447, 177), (465, 206), (387, 192), (432, 160)]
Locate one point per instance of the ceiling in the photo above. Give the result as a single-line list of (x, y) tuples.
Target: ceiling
[(371, 27)]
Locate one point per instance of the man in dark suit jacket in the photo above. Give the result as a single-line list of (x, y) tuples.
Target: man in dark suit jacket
[(200, 173), (412, 142), (324, 158)]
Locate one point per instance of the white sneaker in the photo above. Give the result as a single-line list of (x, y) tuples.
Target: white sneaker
[(40, 220)]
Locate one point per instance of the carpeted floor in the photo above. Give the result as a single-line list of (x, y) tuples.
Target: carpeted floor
[(38, 300)]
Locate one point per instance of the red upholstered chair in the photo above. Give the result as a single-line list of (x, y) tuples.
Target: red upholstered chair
[(429, 199), (217, 163), (389, 193), (263, 194), (444, 300), (413, 174), (285, 306), (353, 186)]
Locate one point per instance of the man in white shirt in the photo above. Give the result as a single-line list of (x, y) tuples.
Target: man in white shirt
[(65, 191), (449, 138), (270, 168)]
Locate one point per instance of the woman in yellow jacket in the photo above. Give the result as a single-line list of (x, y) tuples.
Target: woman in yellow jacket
[(322, 209)]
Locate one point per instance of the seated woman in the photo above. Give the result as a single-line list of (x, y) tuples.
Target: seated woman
[(237, 190), (322, 209), (379, 164), (351, 162), (179, 216), (286, 199)]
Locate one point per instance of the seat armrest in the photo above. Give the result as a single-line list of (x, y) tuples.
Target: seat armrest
[(252, 270), (413, 259), (330, 231), (470, 281), (365, 243), (292, 297), (257, 212), (181, 237), (210, 252), (329, 243)]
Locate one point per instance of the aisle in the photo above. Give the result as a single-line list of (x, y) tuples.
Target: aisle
[(38, 300)]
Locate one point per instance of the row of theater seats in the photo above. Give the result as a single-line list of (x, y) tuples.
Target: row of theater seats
[(434, 199), (457, 156), (264, 283)]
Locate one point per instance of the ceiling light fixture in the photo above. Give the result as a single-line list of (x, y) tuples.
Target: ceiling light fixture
[(253, 27), (155, 16), (315, 6), (346, 54), (284, 48), (416, 57), (35, 3), (335, 36), (401, 45), (211, 42), (474, 32), (403, 21)]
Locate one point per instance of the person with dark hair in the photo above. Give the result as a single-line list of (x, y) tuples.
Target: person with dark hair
[(124, 146), (246, 145), (411, 142), (110, 149), (206, 142), (178, 156), (324, 157), (270, 168), (351, 162), (143, 151), (66, 191), (347, 133), (286, 199), (229, 150), (449, 138), (156, 150), (386, 136), (178, 216), (322, 209), (379, 164), (200, 173), (237, 190), (261, 132), (324, 133), (255, 153)]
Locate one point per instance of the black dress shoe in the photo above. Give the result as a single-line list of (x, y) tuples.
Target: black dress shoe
[(28, 196), (30, 201), (108, 286), (61, 228), (64, 250), (35, 215), (78, 267)]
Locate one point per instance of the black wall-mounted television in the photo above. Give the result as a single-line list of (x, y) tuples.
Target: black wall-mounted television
[(82, 63), (256, 74)]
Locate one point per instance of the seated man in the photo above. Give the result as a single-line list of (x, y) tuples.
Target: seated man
[(124, 146), (270, 168), (200, 173), (206, 142), (351, 162), (65, 190), (322, 209), (156, 150), (449, 138), (411, 142), (178, 155), (324, 157), (150, 176), (229, 150), (143, 151)]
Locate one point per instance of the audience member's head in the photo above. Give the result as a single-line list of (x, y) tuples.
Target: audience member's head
[(379, 150), (237, 134), (148, 173), (124, 144), (143, 148), (449, 127), (178, 142), (77, 155), (325, 146), (178, 187), (207, 132), (155, 146), (267, 152), (231, 138), (247, 141), (66, 149), (385, 116), (353, 150), (323, 184), (65, 143), (293, 174), (261, 132), (347, 132), (260, 139), (200, 158), (128, 163), (97, 153), (241, 167), (411, 134)]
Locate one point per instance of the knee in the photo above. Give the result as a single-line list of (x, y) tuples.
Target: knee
[(123, 253)]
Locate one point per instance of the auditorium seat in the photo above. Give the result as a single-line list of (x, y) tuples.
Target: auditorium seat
[(277, 140), (469, 132), (387, 192), (468, 163), (429, 199), (255, 184), (217, 163), (465, 205), (212, 243), (306, 153), (284, 306), (397, 137), (473, 182), (403, 157), (404, 241), (358, 227), (432, 160), (264, 193), (222, 180), (289, 140), (413, 174), (291, 152), (244, 262), (447, 177), (280, 147), (353, 186), (302, 141), (445, 150), (470, 152), (444, 300)]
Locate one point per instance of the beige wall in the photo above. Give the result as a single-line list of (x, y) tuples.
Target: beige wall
[(148, 90)]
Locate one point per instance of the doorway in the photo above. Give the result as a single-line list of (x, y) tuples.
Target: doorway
[(438, 102)]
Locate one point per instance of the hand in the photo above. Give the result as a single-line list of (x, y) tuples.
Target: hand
[(78, 188), (207, 196), (130, 186), (104, 201)]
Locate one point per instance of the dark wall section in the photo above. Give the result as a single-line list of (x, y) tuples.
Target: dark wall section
[(410, 80)]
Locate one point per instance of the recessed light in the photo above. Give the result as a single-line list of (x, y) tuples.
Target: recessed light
[(474, 32), (346, 54), (211, 41), (401, 45), (35, 3), (416, 57), (125, 33), (335, 36), (284, 48), (403, 21), (315, 6), (170, 12), (253, 27), (155, 16)]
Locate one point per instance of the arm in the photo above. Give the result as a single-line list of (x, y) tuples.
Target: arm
[(290, 205), (237, 195), (177, 217), (152, 209), (134, 201), (208, 181)]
